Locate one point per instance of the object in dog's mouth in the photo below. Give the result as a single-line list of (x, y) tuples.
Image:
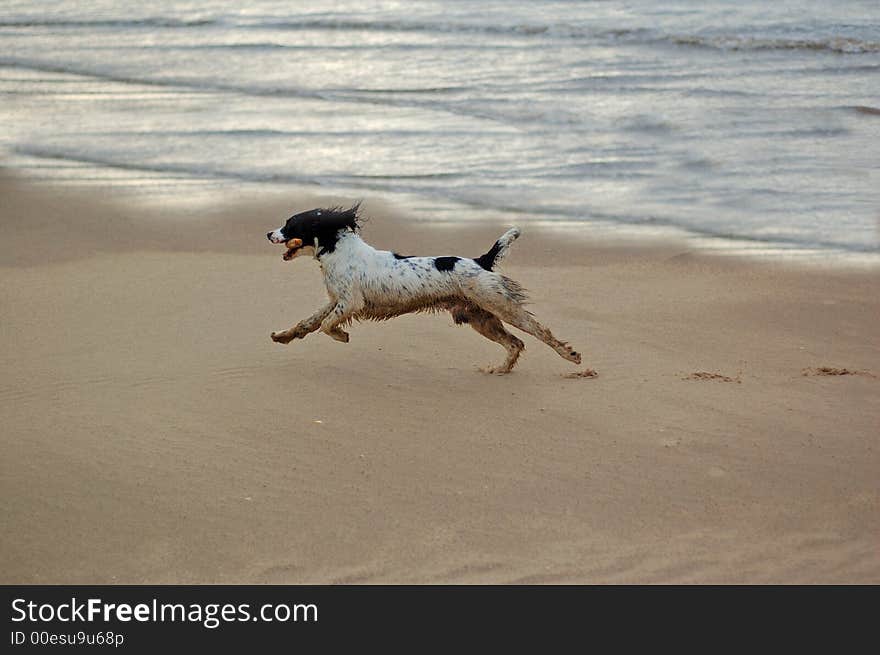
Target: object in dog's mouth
[(292, 246)]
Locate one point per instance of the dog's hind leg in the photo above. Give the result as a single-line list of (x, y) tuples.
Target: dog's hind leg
[(490, 327), (522, 319), (503, 297), (304, 327), (510, 311)]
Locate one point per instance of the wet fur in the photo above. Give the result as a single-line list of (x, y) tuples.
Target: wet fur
[(368, 284)]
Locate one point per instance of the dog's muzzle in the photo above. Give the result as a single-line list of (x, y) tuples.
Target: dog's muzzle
[(292, 244)]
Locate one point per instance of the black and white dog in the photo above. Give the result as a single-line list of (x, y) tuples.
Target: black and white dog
[(365, 283)]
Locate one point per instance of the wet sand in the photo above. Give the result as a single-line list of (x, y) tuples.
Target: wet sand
[(152, 432)]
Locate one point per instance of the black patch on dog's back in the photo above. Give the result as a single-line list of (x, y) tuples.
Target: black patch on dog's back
[(487, 261), (396, 256), (445, 263)]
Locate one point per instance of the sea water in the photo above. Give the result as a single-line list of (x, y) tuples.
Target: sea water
[(749, 123)]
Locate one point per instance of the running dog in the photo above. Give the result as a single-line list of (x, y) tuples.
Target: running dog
[(365, 283)]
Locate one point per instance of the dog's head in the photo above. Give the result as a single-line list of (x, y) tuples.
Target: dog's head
[(316, 230)]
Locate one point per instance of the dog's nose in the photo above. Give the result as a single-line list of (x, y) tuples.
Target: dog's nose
[(269, 235)]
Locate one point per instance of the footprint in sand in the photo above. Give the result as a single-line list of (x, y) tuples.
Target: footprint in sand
[(703, 375), (586, 373), (830, 371)]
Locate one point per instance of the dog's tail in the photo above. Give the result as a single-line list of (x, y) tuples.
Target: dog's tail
[(498, 250)]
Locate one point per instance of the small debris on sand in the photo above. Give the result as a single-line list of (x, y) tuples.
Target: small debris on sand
[(703, 375), (586, 373), (829, 370)]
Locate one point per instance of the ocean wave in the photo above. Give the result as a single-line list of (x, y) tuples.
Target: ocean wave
[(398, 26), (793, 133), (560, 30), (193, 84), (376, 182), (203, 172), (108, 22), (565, 31), (841, 45), (401, 98), (341, 94)]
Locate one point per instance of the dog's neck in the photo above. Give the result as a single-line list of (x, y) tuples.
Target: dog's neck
[(348, 247)]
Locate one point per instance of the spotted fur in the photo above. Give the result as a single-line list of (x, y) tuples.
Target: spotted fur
[(368, 284)]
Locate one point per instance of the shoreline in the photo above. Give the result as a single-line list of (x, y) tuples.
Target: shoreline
[(608, 233)]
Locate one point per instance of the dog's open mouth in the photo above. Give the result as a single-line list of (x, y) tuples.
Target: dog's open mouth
[(292, 246)]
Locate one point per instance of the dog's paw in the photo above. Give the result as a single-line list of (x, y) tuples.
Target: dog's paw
[(569, 353), (339, 335), (282, 337)]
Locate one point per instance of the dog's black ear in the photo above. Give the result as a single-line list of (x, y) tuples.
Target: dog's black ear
[(328, 224), (349, 218)]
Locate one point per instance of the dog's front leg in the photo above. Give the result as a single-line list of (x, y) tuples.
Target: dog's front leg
[(305, 326), (341, 313)]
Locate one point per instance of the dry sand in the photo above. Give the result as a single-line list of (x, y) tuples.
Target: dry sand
[(152, 433)]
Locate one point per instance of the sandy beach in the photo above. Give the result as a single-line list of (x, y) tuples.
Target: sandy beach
[(152, 432)]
